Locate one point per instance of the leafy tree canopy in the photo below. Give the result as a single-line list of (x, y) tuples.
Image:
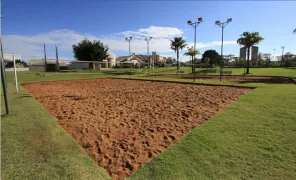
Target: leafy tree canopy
[(18, 62), (210, 56), (178, 43), (170, 60), (249, 39), (88, 50), (191, 52)]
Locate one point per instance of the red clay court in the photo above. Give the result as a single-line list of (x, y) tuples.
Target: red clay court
[(123, 124)]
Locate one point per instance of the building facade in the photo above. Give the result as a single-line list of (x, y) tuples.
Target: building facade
[(141, 60)]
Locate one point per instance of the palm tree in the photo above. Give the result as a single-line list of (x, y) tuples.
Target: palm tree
[(249, 39), (192, 53), (177, 44)]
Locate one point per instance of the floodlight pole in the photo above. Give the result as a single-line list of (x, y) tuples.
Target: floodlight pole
[(45, 60), (222, 25), (148, 40), (194, 25), (129, 46), (57, 59)]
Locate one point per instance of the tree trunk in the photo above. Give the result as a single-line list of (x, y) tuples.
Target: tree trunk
[(248, 60), (178, 59)]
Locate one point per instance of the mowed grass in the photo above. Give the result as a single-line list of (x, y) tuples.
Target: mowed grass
[(289, 72), (252, 139), (34, 146)]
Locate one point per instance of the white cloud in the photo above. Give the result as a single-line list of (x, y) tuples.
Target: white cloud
[(32, 46), (211, 44), (156, 32)]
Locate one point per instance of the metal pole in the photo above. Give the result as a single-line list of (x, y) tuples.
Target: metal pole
[(3, 79), (148, 58), (57, 58), (15, 76), (3, 63), (130, 65), (221, 62), (45, 60), (194, 52), (3, 75)]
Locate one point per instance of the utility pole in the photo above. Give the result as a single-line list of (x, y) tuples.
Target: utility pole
[(129, 47), (194, 25), (149, 59), (3, 75), (222, 25), (57, 58), (45, 60)]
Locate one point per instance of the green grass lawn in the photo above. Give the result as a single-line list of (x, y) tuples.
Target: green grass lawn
[(252, 139), (235, 71), (34, 146)]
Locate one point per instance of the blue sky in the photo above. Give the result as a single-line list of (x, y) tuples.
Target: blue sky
[(27, 24)]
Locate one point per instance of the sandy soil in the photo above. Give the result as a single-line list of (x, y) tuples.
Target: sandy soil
[(123, 124), (240, 79)]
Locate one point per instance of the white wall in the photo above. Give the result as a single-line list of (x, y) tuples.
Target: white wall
[(17, 69)]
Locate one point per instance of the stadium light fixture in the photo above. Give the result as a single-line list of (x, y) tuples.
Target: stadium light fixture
[(148, 40), (222, 25), (194, 25), (129, 46)]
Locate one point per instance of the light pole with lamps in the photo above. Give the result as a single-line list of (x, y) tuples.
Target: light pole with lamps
[(222, 25), (148, 40), (129, 47), (194, 24)]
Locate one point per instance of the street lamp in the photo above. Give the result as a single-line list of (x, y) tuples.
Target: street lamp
[(129, 46), (222, 25), (194, 24), (148, 40)]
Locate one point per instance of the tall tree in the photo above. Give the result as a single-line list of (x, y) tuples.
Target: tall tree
[(212, 55), (259, 60), (170, 60), (249, 39), (190, 52), (178, 44), (88, 50), (288, 59)]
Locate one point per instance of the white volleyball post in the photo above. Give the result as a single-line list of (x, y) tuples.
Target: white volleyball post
[(15, 75)]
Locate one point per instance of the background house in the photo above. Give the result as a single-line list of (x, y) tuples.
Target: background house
[(141, 60), (39, 64)]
